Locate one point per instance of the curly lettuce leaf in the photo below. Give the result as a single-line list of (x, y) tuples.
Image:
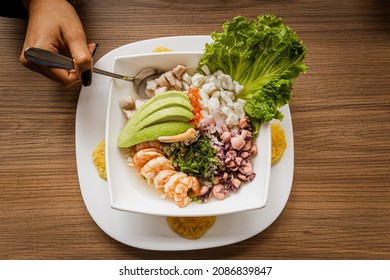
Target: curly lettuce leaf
[(263, 55)]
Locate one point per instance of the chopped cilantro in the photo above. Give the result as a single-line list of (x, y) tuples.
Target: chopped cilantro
[(198, 159)]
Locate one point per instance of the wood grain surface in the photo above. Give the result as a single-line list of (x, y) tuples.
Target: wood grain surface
[(339, 207)]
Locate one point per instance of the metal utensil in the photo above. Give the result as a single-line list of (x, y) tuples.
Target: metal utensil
[(56, 60)]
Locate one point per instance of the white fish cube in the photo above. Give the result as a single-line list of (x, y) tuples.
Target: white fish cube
[(150, 93), (214, 104), (203, 95), (208, 88), (162, 81), (227, 111), (198, 79), (227, 99), (216, 94), (139, 103), (223, 103), (232, 120), (218, 73), (204, 113), (178, 70), (239, 108), (241, 102), (237, 87), (205, 69), (160, 90), (185, 86), (230, 93), (226, 82), (204, 103), (186, 77), (151, 85), (214, 80), (129, 113)]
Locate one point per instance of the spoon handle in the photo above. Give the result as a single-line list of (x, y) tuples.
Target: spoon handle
[(114, 75), (48, 58), (56, 60)]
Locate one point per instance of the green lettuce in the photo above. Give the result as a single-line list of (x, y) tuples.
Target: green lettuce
[(263, 55)]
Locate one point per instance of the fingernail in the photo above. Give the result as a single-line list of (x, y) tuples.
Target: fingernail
[(94, 50), (86, 77)]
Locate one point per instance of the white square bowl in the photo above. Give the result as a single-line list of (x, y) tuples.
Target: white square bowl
[(128, 191)]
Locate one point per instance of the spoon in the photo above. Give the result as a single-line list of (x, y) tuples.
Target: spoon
[(56, 60)]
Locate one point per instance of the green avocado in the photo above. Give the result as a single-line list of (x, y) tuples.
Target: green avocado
[(159, 113), (148, 109), (168, 96), (174, 113), (152, 132)]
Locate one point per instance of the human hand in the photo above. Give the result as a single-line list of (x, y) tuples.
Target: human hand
[(54, 25)]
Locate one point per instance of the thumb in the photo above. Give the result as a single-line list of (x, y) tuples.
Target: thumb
[(82, 57)]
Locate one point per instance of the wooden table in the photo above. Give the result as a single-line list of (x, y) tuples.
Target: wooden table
[(339, 207)]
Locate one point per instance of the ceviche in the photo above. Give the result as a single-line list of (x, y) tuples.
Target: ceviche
[(193, 140)]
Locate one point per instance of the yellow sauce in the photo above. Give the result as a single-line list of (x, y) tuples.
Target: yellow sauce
[(161, 49), (99, 159), (279, 143), (191, 227)]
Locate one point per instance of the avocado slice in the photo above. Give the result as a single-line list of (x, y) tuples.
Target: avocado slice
[(174, 113), (166, 96), (162, 104), (150, 133), (170, 108), (158, 105)]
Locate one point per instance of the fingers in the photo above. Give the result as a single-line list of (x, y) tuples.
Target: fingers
[(64, 77), (83, 61), (76, 41), (55, 26)]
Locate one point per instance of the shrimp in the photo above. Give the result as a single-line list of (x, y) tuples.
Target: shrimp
[(162, 178), (180, 195), (149, 144), (141, 157), (153, 166), (195, 188), (185, 190), (170, 185)]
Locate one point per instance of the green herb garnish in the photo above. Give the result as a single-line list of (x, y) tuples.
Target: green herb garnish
[(198, 159)]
